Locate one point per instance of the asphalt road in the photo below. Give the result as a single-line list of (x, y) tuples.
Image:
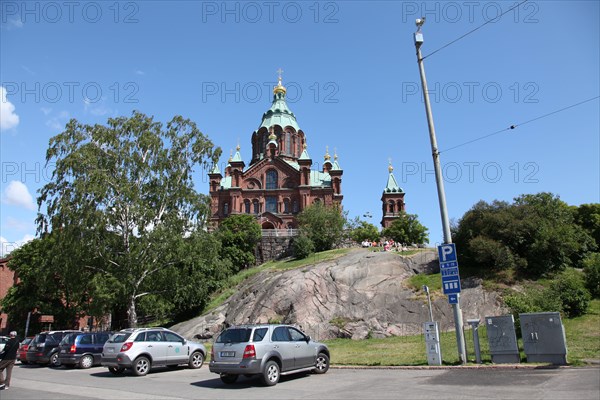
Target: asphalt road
[(41, 383)]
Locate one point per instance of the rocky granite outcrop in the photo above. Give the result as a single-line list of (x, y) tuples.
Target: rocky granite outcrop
[(362, 294)]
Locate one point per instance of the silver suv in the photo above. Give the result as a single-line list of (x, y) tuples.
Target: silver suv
[(268, 351), (143, 348)]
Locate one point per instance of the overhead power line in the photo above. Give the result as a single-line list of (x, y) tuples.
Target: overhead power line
[(479, 27), (514, 126)]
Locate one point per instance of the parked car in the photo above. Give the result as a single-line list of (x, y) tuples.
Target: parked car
[(268, 351), (82, 349), (3, 340), (141, 349), (22, 351), (43, 349)]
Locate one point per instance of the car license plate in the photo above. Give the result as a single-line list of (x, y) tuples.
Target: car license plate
[(228, 354), (63, 351), (109, 350)]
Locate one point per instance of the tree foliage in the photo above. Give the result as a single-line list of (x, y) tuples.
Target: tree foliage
[(588, 217), (125, 191), (591, 272), (363, 230), (535, 235), (565, 293), (239, 234), (323, 225), (303, 246), (407, 229)]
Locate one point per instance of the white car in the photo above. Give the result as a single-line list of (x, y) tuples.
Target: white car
[(141, 349), (3, 340)]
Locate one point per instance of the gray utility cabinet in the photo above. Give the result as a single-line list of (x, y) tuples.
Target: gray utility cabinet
[(544, 337), (502, 339)]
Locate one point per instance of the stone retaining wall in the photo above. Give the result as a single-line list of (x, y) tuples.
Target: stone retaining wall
[(273, 248)]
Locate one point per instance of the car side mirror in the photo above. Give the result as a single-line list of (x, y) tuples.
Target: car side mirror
[(307, 338), (184, 341)]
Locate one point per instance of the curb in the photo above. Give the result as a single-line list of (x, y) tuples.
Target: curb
[(449, 367)]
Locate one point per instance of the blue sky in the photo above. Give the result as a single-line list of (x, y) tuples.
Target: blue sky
[(353, 83)]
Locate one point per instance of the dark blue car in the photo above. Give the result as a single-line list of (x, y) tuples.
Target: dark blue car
[(82, 349)]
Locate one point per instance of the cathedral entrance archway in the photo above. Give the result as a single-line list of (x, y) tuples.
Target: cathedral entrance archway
[(268, 225)]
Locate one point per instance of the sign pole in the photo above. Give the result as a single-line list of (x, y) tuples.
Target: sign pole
[(458, 321)]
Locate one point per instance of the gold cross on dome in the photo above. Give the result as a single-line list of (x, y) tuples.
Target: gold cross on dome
[(279, 72)]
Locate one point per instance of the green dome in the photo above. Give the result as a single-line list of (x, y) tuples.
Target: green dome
[(279, 113)]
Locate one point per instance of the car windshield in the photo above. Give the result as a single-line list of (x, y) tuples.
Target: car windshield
[(235, 335), (119, 337)]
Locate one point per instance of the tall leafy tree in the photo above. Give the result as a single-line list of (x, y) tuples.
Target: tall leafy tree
[(363, 230), (127, 187), (588, 217), (323, 225), (407, 229), (50, 282), (239, 234)]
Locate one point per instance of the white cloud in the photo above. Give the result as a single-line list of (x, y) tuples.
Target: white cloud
[(139, 72), (16, 193), (12, 23), (46, 110), (7, 247), (8, 118)]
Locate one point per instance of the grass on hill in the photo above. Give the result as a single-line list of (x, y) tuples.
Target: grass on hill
[(582, 334)]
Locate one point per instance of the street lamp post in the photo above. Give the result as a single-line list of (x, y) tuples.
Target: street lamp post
[(458, 320), (426, 289)]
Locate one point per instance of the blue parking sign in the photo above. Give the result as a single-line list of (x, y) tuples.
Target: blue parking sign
[(447, 253)]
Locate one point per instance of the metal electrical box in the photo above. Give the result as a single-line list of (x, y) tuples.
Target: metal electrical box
[(544, 337), (432, 343), (502, 339)]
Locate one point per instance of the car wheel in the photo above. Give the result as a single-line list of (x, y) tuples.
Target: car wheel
[(141, 366), (271, 373), (86, 362), (196, 360), (229, 379), (54, 361), (116, 370), (322, 364)]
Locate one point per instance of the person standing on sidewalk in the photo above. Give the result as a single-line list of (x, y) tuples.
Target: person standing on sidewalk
[(7, 360)]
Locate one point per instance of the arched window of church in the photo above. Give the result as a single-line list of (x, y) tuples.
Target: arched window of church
[(295, 208), (391, 207), (226, 209), (247, 206), (271, 179), (271, 204), (286, 206), (256, 206), (288, 148)]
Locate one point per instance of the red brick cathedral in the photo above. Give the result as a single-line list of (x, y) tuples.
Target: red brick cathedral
[(279, 182)]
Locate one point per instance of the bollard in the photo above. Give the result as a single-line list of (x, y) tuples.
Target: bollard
[(475, 325)]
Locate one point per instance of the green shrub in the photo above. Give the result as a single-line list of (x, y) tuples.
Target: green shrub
[(569, 287), (303, 247), (591, 272)]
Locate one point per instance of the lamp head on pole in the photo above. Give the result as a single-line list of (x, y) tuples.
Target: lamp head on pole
[(418, 34), (419, 22)]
